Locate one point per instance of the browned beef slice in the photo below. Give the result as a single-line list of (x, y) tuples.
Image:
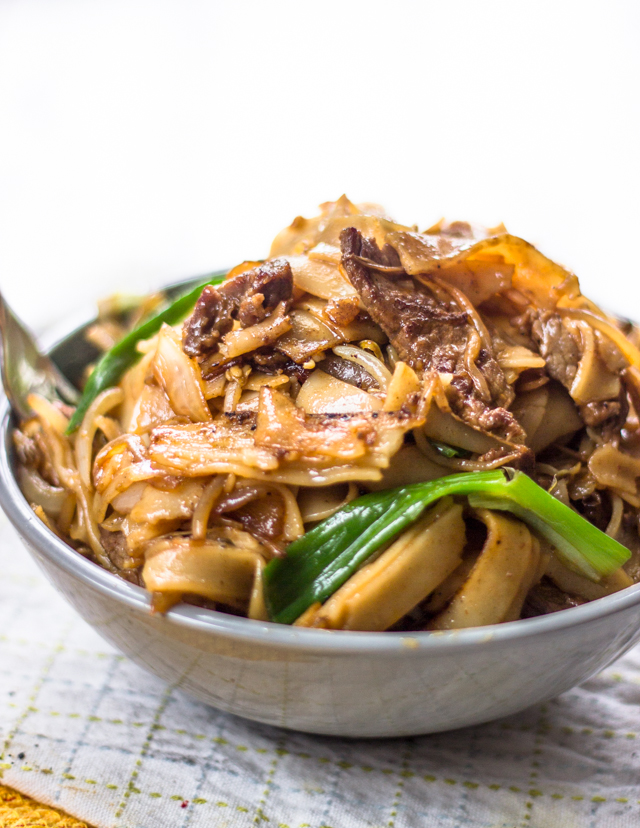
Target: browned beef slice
[(247, 297), (545, 597), (465, 402), (557, 347), (427, 333), (596, 413), (115, 545)]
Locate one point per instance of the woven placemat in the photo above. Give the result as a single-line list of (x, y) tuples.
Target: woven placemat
[(17, 811)]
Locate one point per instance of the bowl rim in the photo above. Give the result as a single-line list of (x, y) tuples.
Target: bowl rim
[(57, 552)]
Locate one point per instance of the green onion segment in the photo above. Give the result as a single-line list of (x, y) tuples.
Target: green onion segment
[(124, 354), (319, 562), (449, 451)]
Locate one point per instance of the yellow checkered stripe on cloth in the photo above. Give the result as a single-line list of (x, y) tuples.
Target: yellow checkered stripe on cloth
[(17, 811)]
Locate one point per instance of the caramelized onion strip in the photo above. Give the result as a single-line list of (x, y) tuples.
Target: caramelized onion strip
[(85, 527), (459, 463), (207, 501), (470, 355), (607, 328), (617, 512), (84, 439), (464, 303)]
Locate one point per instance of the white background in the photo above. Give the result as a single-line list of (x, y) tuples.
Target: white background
[(141, 142)]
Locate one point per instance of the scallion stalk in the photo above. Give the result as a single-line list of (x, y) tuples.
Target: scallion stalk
[(323, 559)]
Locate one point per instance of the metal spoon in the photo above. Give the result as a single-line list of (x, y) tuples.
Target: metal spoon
[(25, 369)]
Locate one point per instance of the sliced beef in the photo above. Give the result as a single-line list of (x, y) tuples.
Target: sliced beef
[(596, 413), (557, 347), (248, 297), (115, 545), (269, 361), (465, 402), (607, 415), (32, 452), (545, 597), (428, 333), (425, 332)]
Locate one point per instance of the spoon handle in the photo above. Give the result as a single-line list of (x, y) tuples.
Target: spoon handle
[(25, 369)]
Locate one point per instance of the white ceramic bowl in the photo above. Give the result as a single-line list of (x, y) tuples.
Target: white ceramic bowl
[(340, 683)]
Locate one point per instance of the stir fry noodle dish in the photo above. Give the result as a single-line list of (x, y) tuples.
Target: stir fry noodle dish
[(375, 428)]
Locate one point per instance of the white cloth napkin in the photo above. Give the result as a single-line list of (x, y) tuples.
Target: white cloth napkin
[(84, 729)]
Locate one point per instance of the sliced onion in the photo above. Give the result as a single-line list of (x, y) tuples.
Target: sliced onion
[(318, 504), (84, 440), (38, 491), (180, 377)]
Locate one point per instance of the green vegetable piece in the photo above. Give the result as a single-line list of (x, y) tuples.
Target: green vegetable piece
[(124, 354), (319, 562), (449, 451)]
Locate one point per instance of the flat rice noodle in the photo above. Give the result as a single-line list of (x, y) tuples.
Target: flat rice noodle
[(362, 327), (500, 579), (529, 409), (283, 427), (408, 465), (614, 469), (324, 394), (125, 501), (479, 268), (308, 336), (575, 584), (222, 568), (324, 252), (593, 381), (304, 234), (119, 465), (257, 605), (134, 380), (340, 448), (561, 418), (151, 409), (403, 387), (260, 335), (445, 591), (223, 446), (447, 427), (180, 377), (534, 275), (385, 590), (546, 414), (138, 535), (514, 359), (85, 436), (320, 278), (479, 280), (161, 504)]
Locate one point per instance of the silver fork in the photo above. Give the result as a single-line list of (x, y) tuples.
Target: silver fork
[(25, 369)]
